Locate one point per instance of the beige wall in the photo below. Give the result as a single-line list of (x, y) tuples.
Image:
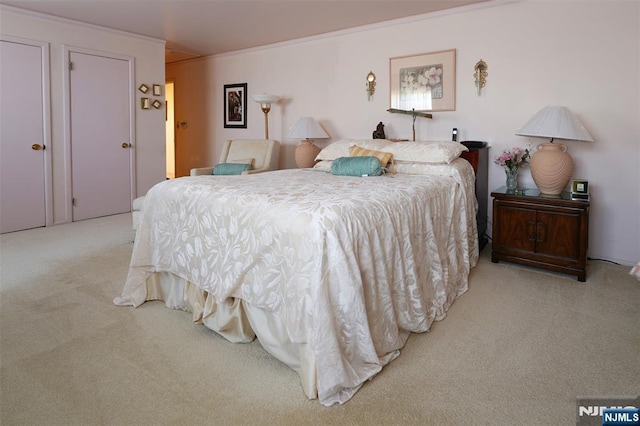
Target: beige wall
[(584, 55), (148, 55)]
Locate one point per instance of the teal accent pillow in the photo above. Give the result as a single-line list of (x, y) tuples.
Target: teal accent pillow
[(230, 168), (357, 166)]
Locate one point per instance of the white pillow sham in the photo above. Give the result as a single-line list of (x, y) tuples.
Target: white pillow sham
[(431, 152), (340, 148)]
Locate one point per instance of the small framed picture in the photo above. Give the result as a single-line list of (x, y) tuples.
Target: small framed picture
[(235, 106), (145, 103), (143, 88), (579, 186), (156, 104), (157, 90)]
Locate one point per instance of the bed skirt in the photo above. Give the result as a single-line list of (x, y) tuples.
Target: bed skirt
[(238, 322)]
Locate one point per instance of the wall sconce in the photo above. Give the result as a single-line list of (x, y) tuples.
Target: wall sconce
[(480, 74), (371, 85), (265, 102)]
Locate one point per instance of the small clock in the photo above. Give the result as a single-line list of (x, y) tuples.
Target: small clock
[(579, 189)]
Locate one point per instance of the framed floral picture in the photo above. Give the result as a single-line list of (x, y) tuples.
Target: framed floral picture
[(235, 105), (425, 82)]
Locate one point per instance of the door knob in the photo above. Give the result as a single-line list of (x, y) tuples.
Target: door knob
[(126, 145), (37, 147)]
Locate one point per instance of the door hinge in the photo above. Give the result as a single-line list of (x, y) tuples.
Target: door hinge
[(73, 201), (70, 66)]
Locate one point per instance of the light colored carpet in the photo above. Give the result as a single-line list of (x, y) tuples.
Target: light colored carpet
[(517, 349)]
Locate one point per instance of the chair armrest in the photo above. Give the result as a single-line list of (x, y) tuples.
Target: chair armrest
[(254, 171), (202, 171)]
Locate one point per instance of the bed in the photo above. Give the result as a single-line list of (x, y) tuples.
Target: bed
[(330, 273)]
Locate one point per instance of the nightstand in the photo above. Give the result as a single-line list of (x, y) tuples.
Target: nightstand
[(543, 231)]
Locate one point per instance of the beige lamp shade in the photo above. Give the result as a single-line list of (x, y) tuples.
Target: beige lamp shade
[(551, 165), (306, 128)]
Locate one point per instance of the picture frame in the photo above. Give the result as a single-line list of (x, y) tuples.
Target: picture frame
[(235, 106), (145, 103), (157, 90), (423, 82), (579, 186), (143, 88), (156, 104)]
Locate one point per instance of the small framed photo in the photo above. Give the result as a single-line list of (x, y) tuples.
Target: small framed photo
[(157, 90), (235, 106), (156, 104), (143, 88), (145, 103), (579, 186)]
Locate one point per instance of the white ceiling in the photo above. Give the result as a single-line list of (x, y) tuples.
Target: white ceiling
[(206, 27)]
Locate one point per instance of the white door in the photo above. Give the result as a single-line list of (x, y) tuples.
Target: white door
[(100, 135), (22, 138)]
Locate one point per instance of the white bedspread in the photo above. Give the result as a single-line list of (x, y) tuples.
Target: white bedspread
[(352, 265)]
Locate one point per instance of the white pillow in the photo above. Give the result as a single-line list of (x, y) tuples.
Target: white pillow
[(340, 148), (324, 165), (432, 152), (413, 168)]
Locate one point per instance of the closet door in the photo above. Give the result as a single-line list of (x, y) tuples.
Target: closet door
[(100, 135), (22, 137)]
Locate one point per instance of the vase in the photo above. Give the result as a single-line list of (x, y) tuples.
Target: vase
[(306, 153), (512, 178), (551, 168)]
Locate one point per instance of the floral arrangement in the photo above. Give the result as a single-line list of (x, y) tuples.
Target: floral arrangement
[(512, 159)]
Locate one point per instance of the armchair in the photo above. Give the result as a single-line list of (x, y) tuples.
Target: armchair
[(265, 155)]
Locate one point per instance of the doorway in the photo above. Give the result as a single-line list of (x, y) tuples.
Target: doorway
[(171, 130)]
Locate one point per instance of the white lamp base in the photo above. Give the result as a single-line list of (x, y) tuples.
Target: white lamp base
[(306, 154)]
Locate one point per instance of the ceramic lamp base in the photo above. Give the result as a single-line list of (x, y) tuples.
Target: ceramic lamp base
[(306, 154), (551, 168)]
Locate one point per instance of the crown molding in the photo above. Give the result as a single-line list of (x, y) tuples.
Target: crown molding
[(45, 17)]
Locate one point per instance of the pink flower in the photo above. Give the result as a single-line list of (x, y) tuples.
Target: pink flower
[(512, 159)]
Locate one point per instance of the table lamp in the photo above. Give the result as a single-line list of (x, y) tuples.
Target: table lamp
[(307, 129), (551, 165)]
